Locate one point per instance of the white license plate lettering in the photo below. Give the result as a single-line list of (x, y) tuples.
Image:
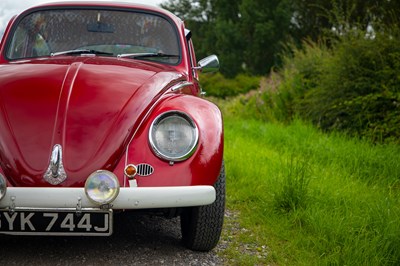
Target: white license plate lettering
[(26, 221), (68, 222), (84, 223), (105, 228), (53, 217), (10, 218)]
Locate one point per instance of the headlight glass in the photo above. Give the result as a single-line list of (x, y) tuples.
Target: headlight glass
[(173, 136), (102, 187), (3, 186)]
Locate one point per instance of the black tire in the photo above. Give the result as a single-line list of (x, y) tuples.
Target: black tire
[(201, 226)]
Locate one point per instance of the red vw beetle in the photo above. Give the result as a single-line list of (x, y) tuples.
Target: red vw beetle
[(100, 112)]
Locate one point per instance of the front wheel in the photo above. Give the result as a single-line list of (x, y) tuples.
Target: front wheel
[(201, 226)]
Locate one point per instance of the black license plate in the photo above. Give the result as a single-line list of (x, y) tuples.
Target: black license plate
[(56, 222)]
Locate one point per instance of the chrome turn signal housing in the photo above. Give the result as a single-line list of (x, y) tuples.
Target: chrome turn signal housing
[(3, 186), (102, 187)]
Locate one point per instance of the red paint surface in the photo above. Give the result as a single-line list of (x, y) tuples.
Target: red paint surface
[(100, 109)]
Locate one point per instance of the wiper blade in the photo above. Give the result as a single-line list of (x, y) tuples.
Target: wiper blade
[(80, 51), (146, 55)]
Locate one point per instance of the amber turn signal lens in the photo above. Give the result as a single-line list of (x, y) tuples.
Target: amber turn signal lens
[(130, 170)]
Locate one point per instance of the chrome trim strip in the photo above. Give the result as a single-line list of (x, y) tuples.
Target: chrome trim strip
[(181, 85), (128, 198)]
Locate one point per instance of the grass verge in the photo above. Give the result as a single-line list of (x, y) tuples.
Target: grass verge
[(307, 198)]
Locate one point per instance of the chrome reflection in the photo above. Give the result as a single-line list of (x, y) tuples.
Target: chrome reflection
[(55, 173)]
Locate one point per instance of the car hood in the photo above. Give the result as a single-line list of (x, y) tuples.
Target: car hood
[(89, 106)]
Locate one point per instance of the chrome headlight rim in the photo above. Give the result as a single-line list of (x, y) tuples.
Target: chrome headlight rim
[(193, 146), (113, 179), (3, 186)]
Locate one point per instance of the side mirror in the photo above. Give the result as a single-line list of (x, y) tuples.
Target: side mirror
[(208, 64)]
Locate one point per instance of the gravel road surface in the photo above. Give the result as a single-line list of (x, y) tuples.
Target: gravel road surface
[(141, 240)]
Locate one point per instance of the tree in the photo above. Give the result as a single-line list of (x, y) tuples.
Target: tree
[(199, 17), (229, 42), (316, 18), (265, 27), (246, 34), (214, 27), (250, 35)]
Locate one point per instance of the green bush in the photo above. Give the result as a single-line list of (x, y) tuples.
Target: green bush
[(354, 86), (301, 73), (216, 85), (256, 104), (358, 89)]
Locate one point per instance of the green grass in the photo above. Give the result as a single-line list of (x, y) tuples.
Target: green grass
[(307, 198)]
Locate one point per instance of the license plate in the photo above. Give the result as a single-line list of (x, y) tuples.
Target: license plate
[(56, 222)]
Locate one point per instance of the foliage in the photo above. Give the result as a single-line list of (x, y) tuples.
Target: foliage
[(360, 88), (249, 35), (352, 87), (217, 85), (351, 214), (294, 192), (355, 89), (316, 18), (301, 73), (264, 24)]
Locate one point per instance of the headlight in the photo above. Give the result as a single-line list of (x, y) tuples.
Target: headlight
[(3, 186), (173, 136), (102, 187)]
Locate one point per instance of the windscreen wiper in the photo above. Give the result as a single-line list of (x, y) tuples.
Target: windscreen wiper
[(80, 51), (147, 55)]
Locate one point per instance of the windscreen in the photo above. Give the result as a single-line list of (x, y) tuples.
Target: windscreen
[(111, 32)]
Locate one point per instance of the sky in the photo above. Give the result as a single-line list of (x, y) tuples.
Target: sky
[(9, 8)]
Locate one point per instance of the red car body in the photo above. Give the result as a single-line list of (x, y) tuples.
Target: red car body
[(98, 109)]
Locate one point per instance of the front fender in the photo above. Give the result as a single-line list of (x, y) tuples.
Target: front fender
[(203, 167)]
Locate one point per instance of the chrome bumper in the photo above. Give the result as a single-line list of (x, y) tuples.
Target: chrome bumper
[(128, 198)]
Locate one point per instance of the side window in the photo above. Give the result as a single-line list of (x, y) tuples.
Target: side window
[(28, 41), (19, 44)]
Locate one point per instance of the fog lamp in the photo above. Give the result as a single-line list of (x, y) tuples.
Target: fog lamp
[(102, 187), (3, 186)]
